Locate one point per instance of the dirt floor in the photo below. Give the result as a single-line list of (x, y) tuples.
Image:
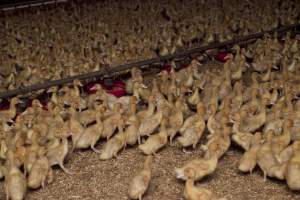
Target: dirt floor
[(108, 180)]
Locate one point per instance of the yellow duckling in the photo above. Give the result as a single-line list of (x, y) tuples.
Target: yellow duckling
[(140, 182), (155, 142), (192, 192)]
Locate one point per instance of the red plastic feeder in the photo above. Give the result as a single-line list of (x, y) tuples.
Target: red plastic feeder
[(117, 91), (221, 56)]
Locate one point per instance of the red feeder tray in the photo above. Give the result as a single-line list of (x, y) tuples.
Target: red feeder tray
[(117, 91), (221, 56)]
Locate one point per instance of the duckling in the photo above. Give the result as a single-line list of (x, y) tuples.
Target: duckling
[(15, 185), (218, 144), (243, 139), (95, 97), (249, 159), (140, 182), (136, 77), (293, 168), (141, 91), (194, 99), (75, 99), (192, 192), (279, 143), (175, 121), (40, 172), (191, 134), (147, 113), (113, 146), (74, 127), (225, 88), (237, 99), (155, 142), (113, 122), (9, 115), (190, 78), (252, 123), (91, 134), (212, 124), (31, 155), (265, 156), (149, 124), (164, 82), (275, 125), (197, 168), (181, 104), (57, 152), (230, 63), (132, 131)]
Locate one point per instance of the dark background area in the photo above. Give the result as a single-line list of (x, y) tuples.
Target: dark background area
[(4, 3)]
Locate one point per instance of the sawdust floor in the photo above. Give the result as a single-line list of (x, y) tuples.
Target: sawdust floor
[(108, 180)]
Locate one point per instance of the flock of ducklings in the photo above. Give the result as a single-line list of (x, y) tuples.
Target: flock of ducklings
[(79, 37), (252, 104)]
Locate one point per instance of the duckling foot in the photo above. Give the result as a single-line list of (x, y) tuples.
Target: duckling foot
[(186, 151)]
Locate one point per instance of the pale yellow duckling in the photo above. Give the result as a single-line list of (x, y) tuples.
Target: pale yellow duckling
[(181, 104), (197, 168), (157, 141), (149, 124), (265, 156), (57, 151), (279, 143), (149, 111), (219, 143), (15, 184), (31, 154), (132, 131), (41, 172), (75, 127), (175, 121), (193, 128), (96, 97), (293, 168), (212, 123), (9, 115), (194, 99), (91, 134), (113, 146), (252, 123), (113, 122), (140, 182), (243, 139), (192, 192), (249, 159)]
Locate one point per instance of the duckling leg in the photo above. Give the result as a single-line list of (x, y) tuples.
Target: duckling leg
[(115, 155), (64, 169), (43, 184), (94, 149), (6, 191), (194, 145), (171, 139), (265, 175), (124, 146), (140, 197), (50, 176)]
